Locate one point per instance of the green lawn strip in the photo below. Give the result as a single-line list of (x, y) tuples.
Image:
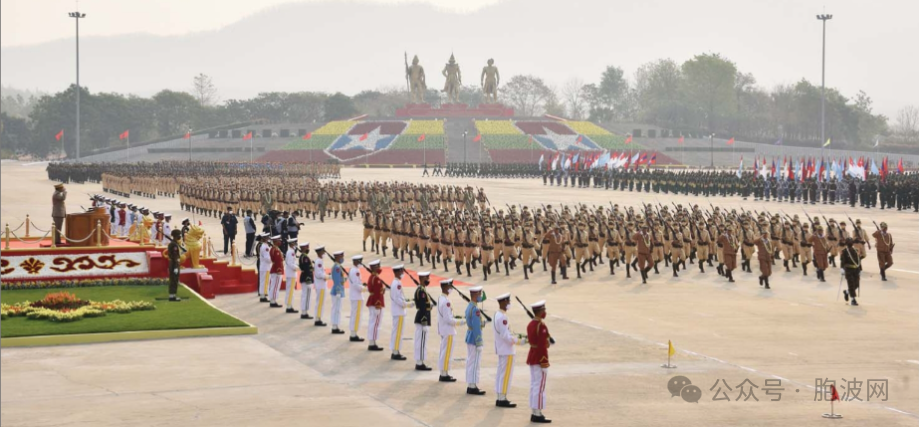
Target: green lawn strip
[(191, 313)]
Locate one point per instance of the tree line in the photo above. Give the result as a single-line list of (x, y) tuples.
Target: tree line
[(703, 95)]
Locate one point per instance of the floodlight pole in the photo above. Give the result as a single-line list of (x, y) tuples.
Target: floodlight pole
[(77, 16), (823, 18)]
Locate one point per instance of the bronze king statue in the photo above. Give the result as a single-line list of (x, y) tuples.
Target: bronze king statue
[(417, 84), (454, 80), (490, 79)]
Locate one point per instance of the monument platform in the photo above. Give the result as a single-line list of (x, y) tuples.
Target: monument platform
[(455, 111)]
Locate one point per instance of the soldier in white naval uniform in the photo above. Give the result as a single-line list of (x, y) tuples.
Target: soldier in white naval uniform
[(446, 328), (355, 295), (397, 298), (505, 340), (319, 284)]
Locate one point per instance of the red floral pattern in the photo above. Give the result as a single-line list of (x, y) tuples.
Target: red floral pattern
[(105, 262)]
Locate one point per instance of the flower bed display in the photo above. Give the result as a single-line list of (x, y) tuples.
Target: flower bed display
[(67, 307), (82, 283)]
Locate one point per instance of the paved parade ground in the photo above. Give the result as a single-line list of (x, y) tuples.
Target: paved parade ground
[(611, 334)]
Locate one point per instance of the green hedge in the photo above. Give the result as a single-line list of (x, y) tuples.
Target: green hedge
[(82, 283)]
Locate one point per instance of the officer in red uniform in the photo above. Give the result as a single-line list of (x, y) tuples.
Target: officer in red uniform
[(375, 304), (276, 273), (538, 360)]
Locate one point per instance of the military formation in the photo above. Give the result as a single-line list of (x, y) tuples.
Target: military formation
[(636, 240), (277, 266), (895, 191)]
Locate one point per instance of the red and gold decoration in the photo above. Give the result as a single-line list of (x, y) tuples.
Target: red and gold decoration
[(65, 265)]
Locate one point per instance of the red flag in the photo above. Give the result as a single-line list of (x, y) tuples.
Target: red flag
[(125, 135), (654, 157), (629, 139), (187, 135), (363, 137), (835, 393), (900, 166), (477, 138), (580, 138), (307, 136), (247, 136), (681, 139), (421, 138), (731, 141), (59, 135)]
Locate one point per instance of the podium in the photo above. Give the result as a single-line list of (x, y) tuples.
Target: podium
[(80, 225)]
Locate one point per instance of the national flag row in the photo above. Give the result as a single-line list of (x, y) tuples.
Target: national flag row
[(821, 169), (588, 161)]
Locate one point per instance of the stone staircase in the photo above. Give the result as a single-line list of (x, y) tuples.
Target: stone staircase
[(473, 152)]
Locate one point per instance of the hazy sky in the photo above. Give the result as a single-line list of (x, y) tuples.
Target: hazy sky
[(871, 45), (34, 21)]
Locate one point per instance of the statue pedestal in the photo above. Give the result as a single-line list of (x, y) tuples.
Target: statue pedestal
[(455, 110)]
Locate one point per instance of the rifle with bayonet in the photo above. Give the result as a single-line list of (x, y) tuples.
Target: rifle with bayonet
[(530, 313), (467, 299)]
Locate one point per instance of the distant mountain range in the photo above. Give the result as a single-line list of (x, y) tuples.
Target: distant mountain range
[(337, 46)]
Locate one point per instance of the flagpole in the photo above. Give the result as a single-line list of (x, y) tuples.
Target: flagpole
[(128, 155)]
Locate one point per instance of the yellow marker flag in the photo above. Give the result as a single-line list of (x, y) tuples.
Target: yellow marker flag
[(827, 143), (671, 351)]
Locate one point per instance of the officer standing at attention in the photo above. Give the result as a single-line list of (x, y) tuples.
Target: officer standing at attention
[(538, 360), (319, 284), (446, 328), (355, 290), (423, 304), (398, 311), (306, 280), (505, 340), (290, 272), (474, 341), (338, 290), (174, 254), (375, 304)]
